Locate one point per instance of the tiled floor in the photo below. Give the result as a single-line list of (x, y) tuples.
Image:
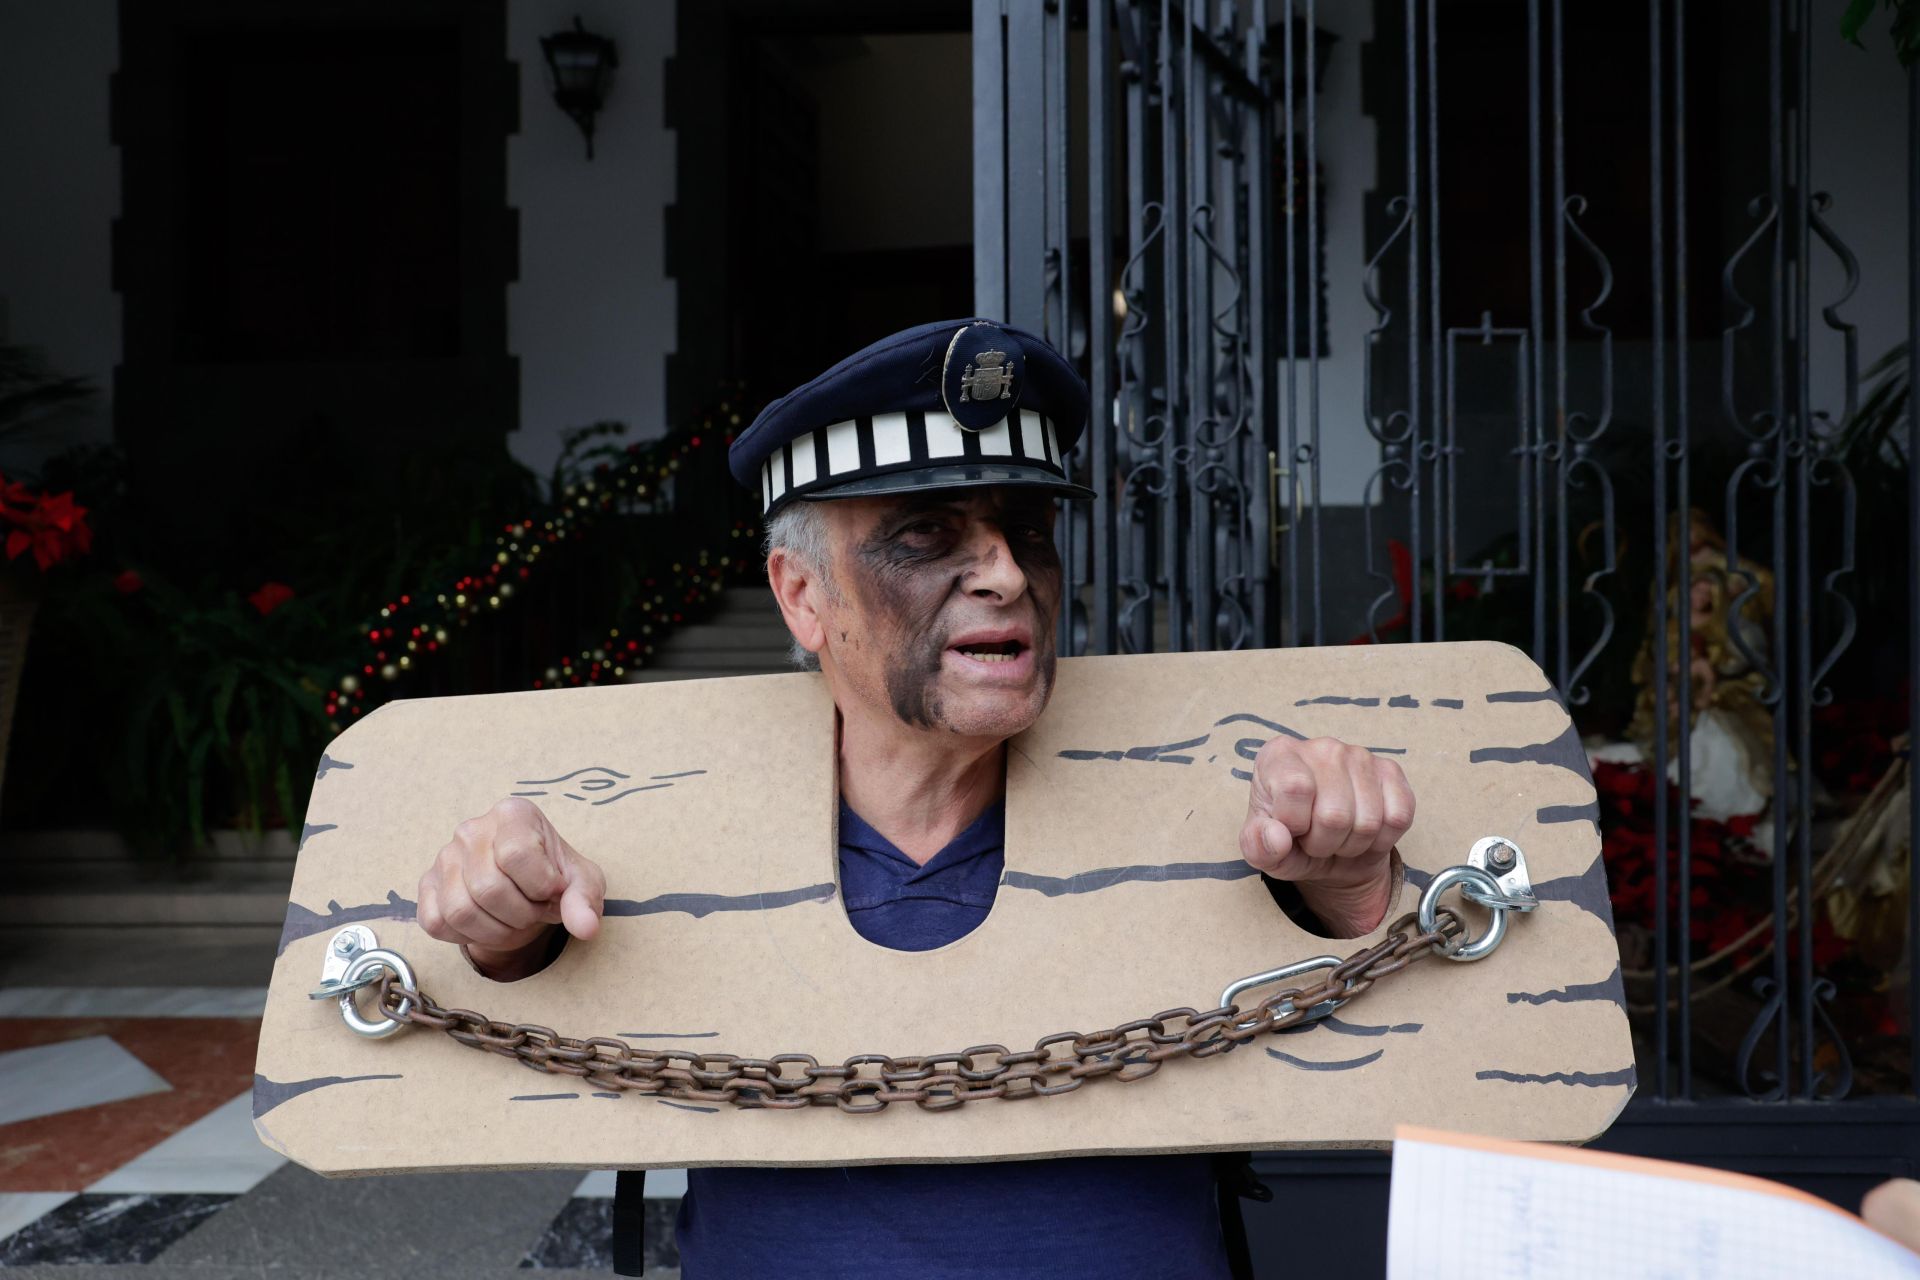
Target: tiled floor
[(127, 1147)]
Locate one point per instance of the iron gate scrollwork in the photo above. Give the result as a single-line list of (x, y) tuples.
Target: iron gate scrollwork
[(1664, 416), (1175, 554)]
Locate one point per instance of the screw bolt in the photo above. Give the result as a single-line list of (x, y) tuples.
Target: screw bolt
[(345, 944), (1500, 858)]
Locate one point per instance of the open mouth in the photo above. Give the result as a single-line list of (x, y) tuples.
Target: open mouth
[(990, 650)]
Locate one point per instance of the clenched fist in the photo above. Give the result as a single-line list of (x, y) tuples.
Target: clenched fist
[(503, 883), (1326, 816)]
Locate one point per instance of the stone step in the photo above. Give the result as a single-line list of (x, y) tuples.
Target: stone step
[(146, 905)]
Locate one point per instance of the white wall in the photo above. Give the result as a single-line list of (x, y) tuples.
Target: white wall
[(59, 194), (592, 318), (1859, 119), (1348, 453)]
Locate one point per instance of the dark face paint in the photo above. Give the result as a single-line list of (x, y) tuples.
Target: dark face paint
[(908, 571)]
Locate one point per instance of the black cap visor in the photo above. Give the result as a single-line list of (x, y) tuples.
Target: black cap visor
[(958, 475)]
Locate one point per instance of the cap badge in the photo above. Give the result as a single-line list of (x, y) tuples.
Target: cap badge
[(990, 379), (979, 378)]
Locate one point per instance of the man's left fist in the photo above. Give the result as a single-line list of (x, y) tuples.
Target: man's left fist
[(1326, 816)]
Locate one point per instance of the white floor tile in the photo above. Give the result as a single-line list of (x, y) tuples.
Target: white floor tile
[(217, 1154), (133, 1002), (21, 1208), (662, 1184), (50, 1078)]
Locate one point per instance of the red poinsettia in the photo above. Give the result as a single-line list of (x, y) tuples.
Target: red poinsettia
[(1725, 894), (270, 596), (52, 526)]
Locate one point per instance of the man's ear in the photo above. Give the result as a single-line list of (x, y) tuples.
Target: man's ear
[(797, 590)]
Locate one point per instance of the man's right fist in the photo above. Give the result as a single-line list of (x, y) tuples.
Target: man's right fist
[(503, 883)]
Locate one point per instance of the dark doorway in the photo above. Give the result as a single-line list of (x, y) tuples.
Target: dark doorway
[(313, 255), (847, 192)]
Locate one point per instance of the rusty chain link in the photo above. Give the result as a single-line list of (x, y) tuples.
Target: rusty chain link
[(870, 1082)]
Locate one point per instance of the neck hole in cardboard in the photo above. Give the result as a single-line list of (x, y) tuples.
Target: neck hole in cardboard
[(839, 879)]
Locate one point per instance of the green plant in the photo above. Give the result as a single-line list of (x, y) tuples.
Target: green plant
[(1905, 29), (196, 709)]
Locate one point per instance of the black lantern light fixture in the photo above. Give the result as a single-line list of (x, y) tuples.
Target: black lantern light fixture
[(581, 64)]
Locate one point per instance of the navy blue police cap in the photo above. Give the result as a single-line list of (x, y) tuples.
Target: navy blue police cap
[(950, 405)]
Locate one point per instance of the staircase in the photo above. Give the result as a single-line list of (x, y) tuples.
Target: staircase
[(743, 636)]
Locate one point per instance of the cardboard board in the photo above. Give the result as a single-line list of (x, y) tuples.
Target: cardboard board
[(711, 806)]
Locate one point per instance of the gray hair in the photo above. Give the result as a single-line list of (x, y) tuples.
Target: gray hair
[(801, 531)]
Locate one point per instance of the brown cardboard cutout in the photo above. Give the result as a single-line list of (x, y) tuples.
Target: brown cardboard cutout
[(711, 806)]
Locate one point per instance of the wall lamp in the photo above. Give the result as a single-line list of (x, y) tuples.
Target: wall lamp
[(581, 66)]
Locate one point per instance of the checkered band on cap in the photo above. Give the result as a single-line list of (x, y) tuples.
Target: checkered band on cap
[(885, 443)]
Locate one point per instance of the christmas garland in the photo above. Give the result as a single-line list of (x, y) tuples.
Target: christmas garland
[(411, 630)]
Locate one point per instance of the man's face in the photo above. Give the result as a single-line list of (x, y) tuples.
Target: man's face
[(944, 607)]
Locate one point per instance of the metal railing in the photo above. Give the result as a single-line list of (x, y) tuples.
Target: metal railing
[(1652, 465)]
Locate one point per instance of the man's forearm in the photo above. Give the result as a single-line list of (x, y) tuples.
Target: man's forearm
[(1348, 911)]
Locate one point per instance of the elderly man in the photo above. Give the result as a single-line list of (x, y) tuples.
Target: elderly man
[(909, 495)]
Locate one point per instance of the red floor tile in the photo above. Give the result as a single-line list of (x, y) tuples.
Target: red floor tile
[(206, 1060)]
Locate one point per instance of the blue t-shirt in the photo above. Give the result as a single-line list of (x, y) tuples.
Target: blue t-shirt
[(1116, 1217)]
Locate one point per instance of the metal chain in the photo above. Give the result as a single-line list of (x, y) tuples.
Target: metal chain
[(871, 1082)]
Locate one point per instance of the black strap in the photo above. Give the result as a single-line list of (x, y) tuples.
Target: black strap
[(1234, 1177), (630, 1222)]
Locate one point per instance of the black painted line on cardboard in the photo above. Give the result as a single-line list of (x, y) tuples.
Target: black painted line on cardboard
[(1404, 701), (607, 1095), (312, 829), (700, 905), (327, 765), (651, 786), (273, 1092), (1247, 717), (1306, 1064), (1108, 877), (1451, 704), (1528, 695), (1345, 1028), (1607, 989), (547, 782), (304, 921), (1588, 891), (686, 1106), (1153, 754), (667, 1035), (684, 773), (1337, 700), (1568, 813), (1585, 1079), (1341, 1027), (542, 1097), (1564, 752)]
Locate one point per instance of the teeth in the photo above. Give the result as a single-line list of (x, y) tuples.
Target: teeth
[(984, 655)]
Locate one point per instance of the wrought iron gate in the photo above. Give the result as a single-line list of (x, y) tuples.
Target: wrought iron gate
[(1671, 465)]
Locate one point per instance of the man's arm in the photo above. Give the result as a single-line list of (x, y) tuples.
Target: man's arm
[(1326, 816)]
